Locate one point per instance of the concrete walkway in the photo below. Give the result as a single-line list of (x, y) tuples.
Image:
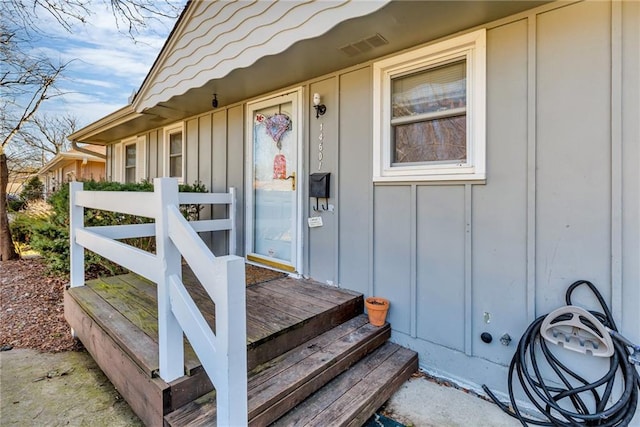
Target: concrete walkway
[(63, 389), (424, 403), (68, 389)]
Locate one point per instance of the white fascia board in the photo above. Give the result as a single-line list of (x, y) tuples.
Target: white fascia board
[(114, 119), (62, 157)]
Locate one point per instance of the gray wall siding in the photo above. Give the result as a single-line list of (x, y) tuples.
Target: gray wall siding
[(153, 169), (235, 162), (216, 170), (440, 257), (573, 151), (321, 246), (626, 241), (355, 199), (499, 238), (192, 160), (392, 253)]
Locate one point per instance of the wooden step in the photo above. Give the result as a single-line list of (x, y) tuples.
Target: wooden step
[(353, 397), (116, 319), (279, 385)]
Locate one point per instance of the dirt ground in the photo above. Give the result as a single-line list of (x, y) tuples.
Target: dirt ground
[(32, 308)]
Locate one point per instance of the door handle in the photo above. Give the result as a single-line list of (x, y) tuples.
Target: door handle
[(292, 177)]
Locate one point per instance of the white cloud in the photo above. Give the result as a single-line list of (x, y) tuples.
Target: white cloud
[(93, 82)]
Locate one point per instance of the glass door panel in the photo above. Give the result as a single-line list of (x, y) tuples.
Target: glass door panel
[(273, 203)]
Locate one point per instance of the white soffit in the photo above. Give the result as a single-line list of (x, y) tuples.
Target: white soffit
[(216, 38)]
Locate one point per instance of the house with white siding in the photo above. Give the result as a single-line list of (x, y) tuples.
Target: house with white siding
[(466, 160)]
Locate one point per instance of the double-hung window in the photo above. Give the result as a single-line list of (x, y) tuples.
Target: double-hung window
[(130, 163), (174, 149), (429, 112)]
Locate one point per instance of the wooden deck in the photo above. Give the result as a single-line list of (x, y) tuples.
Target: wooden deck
[(116, 319)]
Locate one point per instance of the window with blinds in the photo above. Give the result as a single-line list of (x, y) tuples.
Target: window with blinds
[(175, 154), (174, 146), (130, 163), (429, 115), (429, 112)]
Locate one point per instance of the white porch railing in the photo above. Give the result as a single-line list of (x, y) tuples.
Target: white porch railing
[(223, 354)]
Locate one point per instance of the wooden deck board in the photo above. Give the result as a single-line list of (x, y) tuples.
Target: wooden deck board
[(304, 291), (126, 300), (140, 283), (298, 305), (275, 366)]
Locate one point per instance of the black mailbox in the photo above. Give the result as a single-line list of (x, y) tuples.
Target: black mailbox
[(319, 185)]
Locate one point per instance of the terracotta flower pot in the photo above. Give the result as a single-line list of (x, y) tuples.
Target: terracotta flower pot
[(377, 309)]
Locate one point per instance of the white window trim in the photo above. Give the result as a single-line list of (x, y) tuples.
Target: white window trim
[(472, 47), (167, 132), (125, 144)]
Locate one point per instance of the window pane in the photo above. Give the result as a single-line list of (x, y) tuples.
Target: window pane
[(436, 140), (130, 175), (175, 143), (175, 166), (436, 89), (131, 155)]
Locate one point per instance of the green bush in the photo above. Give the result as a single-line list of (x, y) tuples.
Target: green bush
[(24, 223), (15, 203), (51, 239), (33, 189)]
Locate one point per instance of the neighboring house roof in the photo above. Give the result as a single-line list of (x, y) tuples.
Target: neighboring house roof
[(241, 50), (61, 159)]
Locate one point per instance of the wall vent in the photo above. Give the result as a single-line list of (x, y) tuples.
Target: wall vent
[(364, 45)]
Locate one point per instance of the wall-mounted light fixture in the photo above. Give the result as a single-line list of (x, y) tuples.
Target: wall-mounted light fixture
[(320, 108), (214, 102)]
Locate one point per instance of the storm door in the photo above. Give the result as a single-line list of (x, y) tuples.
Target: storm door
[(273, 220)]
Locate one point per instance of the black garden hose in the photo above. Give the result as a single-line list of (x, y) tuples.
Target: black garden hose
[(547, 398)]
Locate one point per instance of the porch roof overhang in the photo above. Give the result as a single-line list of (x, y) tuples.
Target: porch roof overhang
[(305, 41), (61, 160)]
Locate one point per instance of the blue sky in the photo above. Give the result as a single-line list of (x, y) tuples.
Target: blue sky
[(106, 64)]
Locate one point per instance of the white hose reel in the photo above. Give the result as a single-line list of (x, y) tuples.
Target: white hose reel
[(575, 329)]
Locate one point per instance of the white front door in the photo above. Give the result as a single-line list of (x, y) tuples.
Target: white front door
[(273, 203)]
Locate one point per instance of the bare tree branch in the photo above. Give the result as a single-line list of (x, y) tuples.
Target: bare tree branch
[(133, 14), (40, 94)]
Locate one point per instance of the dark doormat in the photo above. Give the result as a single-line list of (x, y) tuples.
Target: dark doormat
[(381, 421)]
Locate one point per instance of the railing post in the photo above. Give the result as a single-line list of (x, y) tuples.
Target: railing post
[(76, 221), (232, 216), (231, 330), (170, 336)]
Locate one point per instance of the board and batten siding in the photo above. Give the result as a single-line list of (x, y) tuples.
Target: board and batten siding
[(561, 200), (206, 140)]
